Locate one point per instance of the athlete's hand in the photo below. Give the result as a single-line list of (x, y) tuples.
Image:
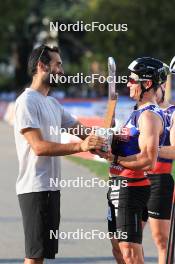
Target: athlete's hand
[(105, 155), (108, 156), (92, 142)]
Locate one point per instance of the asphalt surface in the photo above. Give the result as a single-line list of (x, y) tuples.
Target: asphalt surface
[(82, 210)]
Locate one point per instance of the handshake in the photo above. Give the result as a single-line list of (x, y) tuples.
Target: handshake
[(98, 143)]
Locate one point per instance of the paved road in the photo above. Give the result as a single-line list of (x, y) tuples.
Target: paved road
[(82, 208)]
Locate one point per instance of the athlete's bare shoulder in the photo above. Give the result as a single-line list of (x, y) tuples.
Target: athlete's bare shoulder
[(150, 119)]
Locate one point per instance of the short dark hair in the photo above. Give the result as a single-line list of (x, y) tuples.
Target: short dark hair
[(40, 54)]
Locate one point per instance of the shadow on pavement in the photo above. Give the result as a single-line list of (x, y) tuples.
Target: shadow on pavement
[(65, 260), (9, 261), (83, 260), (80, 260), (94, 260), (151, 260)]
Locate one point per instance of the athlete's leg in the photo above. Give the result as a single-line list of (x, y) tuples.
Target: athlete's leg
[(116, 251), (160, 230), (159, 210), (144, 222), (143, 226), (34, 261), (132, 252), (112, 229)]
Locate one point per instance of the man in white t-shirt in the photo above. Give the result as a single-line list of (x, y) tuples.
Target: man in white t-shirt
[(37, 150)]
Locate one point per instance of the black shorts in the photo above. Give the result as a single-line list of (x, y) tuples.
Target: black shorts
[(126, 205), (41, 217), (145, 214), (160, 201)]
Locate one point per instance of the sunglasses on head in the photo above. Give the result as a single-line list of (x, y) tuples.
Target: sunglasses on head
[(42, 51), (46, 47)]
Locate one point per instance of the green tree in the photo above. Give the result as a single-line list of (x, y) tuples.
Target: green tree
[(20, 23), (149, 32)]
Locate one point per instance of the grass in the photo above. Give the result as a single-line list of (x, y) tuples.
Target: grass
[(96, 167), (173, 170), (99, 168)]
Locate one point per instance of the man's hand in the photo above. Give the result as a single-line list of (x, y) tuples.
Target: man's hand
[(92, 142), (105, 155)]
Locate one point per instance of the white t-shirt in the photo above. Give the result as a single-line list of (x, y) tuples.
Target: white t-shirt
[(34, 110)]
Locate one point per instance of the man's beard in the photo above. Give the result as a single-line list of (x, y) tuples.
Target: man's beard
[(50, 82)]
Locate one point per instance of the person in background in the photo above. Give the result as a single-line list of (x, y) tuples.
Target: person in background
[(162, 183)]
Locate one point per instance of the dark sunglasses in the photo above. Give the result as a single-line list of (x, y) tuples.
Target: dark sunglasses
[(134, 81)]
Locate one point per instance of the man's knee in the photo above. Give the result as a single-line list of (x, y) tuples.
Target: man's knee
[(131, 252), (127, 252), (34, 261), (117, 254), (116, 250), (161, 240)]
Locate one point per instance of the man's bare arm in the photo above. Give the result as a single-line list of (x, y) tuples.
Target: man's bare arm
[(168, 152), (80, 130), (42, 147), (150, 129)]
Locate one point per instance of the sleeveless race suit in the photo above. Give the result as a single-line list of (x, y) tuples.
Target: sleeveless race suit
[(130, 189), (162, 183)]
